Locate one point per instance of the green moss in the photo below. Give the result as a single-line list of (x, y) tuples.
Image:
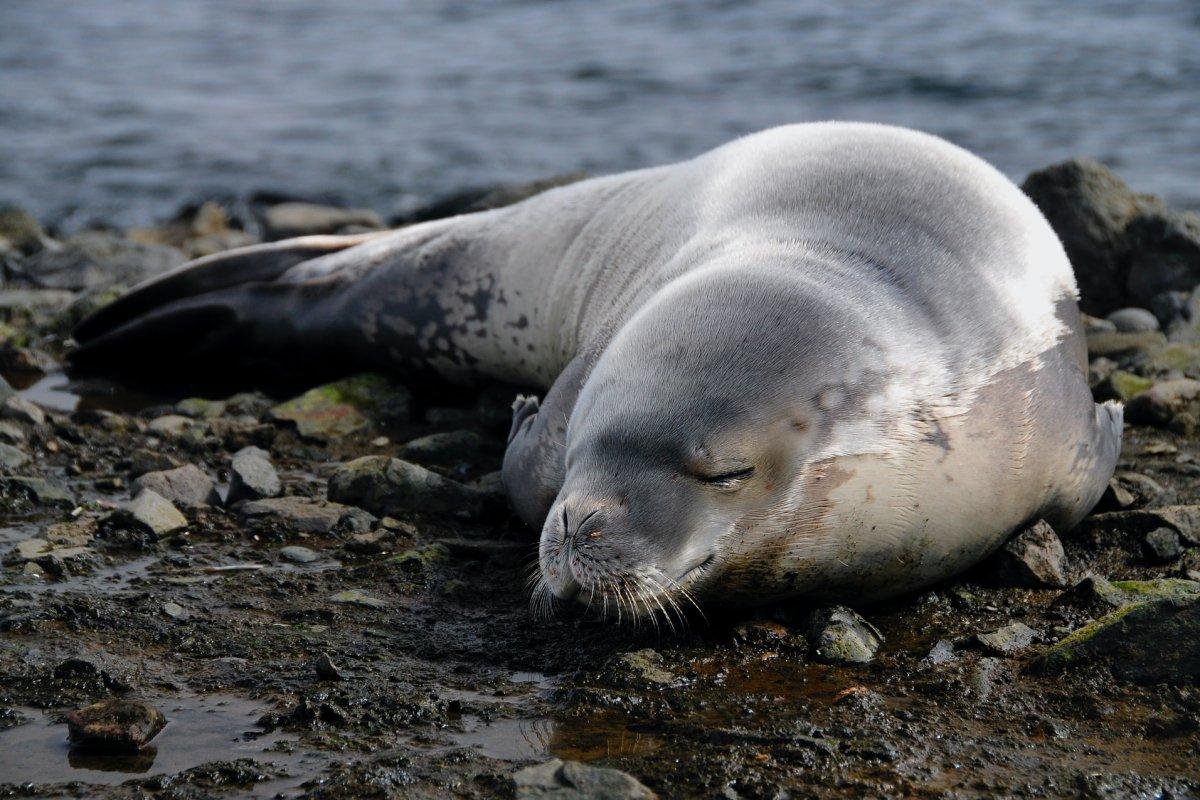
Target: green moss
[(346, 406), (1183, 356), (422, 557), (1126, 385), (1158, 588)]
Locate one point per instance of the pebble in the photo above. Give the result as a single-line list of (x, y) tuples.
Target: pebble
[(18, 409), (841, 636), (173, 610), (252, 476), (571, 780), (1008, 639), (1133, 320), (115, 725), (298, 554), (1162, 545), (941, 653), (356, 597), (1033, 558), (185, 486)]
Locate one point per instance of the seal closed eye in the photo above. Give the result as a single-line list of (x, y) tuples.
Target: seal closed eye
[(839, 360)]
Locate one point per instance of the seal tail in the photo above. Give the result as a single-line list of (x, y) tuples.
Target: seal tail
[(228, 311)]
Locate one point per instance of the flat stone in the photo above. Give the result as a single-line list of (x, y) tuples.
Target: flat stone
[(252, 476), (337, 410), (304, 515), (642, 668), (1183, 519), (356, 597), (144, 460), (199, 408), (1133, 320), (37, 490), (170, 426), (151, 512), (186, 486), (1033, 558), (1008, 639), (447, 449), (115, 725), (571, 780), (841, 636), (288, 220), (1161, 403), (298, 554), (18, 409), (173, 610), (1118, 345), (29, 549), (12, 457), (388, 487)]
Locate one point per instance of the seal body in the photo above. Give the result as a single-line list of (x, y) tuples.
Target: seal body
[(840, 360)]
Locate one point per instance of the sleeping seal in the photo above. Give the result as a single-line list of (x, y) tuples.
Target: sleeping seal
[(836, 360)]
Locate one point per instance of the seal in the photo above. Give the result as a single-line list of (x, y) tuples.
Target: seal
[(837, 360)]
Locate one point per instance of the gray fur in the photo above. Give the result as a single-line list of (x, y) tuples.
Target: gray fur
[(877, 322)]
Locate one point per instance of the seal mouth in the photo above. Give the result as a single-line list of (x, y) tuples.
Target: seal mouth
[(696, 570)]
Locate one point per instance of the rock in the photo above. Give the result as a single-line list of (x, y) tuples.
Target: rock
[(307, 516), (1133, 320), (941, 653), (170, 426), (571, 780), (1183, 519), (142, 461), (1098, 595), (339, 409), (1162, 545), (37, 490), (69, 561), (199, 408), (287, 220), (1122, 385), (1178, 357), (840, 636), (173, 610), (1121, 346), (326, 670), (1008, 639), (248, 404), (485, 198), (115, 725), (356, 597), (1164, 402), (33, 570), (12, 457), (641, 668), (252, 476), (1033, 558), (185, 486), (298, 554), (96, 259), (388, 487), (12, 433), (1164, 253), (1096, 325), (18, 409), (150, 512), (1155, 641), (20, 230), (447, 449), (32, 548)]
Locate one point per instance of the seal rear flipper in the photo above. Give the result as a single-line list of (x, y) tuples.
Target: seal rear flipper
[(1095, 462)]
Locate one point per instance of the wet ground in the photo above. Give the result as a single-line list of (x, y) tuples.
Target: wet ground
[(436, 681)]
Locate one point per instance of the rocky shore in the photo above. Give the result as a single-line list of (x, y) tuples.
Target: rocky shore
[(321, 593)]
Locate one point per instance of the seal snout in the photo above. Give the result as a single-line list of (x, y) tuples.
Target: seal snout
[(574, 554)]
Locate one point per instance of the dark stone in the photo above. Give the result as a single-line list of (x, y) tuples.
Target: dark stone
[(326, 670), (840, 636), (1162, 545), (1033, 558), (252, 476), (37, 490), (115, 725), (448, 449), (388, 487)]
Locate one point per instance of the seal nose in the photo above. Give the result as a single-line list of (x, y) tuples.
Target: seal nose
[(578, 524)]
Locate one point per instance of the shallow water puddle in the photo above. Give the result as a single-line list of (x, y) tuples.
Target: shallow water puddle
[(108, 579), (199, 729), (57, 392)]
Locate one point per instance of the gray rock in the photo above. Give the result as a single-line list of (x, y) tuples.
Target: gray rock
[(170, 426), (18, 409), (1163, 402), (32, 548), (20, 230), (1007, 640), (571, 780), (115, 725), (185, 486), (357, 597), (1133, 320), (336, 410), (69, 561), (174, 610), (308, 516), (1156, 641), (1033, 558), (1096, 324), (941, 653), (199, 408), (1162, 545), (12, 457), (388, 487), (840, 636), (252, 476), (12, 433), (1124, 346), (641, 668), (1184, 519), (326, 670), (447, 449), (287, 220), (298, 554), (97, 259), (1164, 252), (150, 512), (143, 460), (37, 490)]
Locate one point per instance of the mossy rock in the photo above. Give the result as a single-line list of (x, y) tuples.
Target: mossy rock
[(1126, 385), (422, 557), (339, 409), (1181, 356)]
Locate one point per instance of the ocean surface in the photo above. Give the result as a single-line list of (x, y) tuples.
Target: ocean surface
[(120, 110)]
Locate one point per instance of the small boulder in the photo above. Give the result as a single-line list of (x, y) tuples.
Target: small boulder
[(389, 487), (38, 491), (307, 516), (1133, 320), (115, 725), (1007, 640), (1164, 402), (186, 486), (447, 449), (1162, 545), (18, 409), (337, 410), (170, 426), (99, 259), (298, 554), (288, 220), (1034, 558), (571, 780), (357, 597), (12, 457), (151, 513), (252, 476), (840, 636)]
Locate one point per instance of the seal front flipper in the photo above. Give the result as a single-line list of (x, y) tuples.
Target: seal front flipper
[(226, 311)]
